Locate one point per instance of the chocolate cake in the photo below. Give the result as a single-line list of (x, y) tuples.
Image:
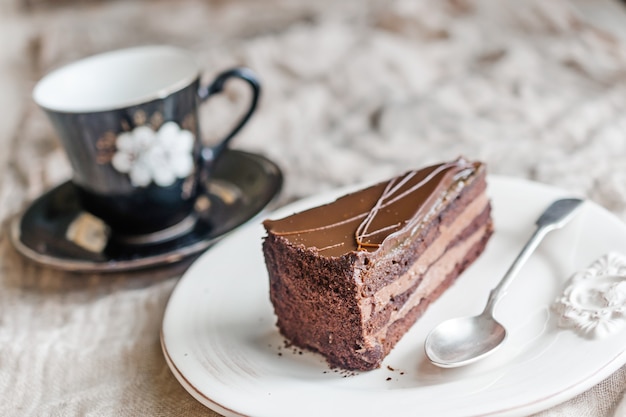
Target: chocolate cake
[(349, 278)]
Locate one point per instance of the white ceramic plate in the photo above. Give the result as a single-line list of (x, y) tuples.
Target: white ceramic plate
[(220, 340)]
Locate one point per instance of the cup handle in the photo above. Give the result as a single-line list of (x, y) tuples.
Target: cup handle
[(210, 154)]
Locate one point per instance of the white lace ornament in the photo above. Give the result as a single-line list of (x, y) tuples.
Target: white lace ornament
[(594, 301)]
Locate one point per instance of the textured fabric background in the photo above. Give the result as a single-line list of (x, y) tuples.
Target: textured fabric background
[(353, 91)]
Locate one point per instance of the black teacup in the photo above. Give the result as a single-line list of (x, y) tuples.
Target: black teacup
[(128, 120)]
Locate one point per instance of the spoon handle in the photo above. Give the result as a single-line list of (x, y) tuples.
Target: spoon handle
[(557, 215)]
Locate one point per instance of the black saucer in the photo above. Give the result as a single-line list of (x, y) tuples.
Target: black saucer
[(242, 185)]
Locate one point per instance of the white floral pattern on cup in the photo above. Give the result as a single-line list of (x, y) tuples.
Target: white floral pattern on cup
[(161, 157), (594, 301)]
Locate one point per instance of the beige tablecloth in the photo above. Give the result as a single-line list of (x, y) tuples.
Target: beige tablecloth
[(353, 91)]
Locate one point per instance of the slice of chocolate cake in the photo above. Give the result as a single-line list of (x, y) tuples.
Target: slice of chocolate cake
[(348, 279)]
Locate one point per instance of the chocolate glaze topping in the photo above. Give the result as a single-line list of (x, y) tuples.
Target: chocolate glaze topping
[(383, 213)]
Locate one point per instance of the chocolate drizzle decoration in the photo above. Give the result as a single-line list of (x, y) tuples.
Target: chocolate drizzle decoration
[(363, 220)]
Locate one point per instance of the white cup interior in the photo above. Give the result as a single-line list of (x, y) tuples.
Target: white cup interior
[(116, 79)]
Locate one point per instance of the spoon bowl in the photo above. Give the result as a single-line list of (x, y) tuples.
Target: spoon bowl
[(464, 340), (461, 341)]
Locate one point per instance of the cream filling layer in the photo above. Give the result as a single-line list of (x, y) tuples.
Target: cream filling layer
[(435, 276), (371, 305)]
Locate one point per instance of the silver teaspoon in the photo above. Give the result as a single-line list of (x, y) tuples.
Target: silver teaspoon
[(461, 341)]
